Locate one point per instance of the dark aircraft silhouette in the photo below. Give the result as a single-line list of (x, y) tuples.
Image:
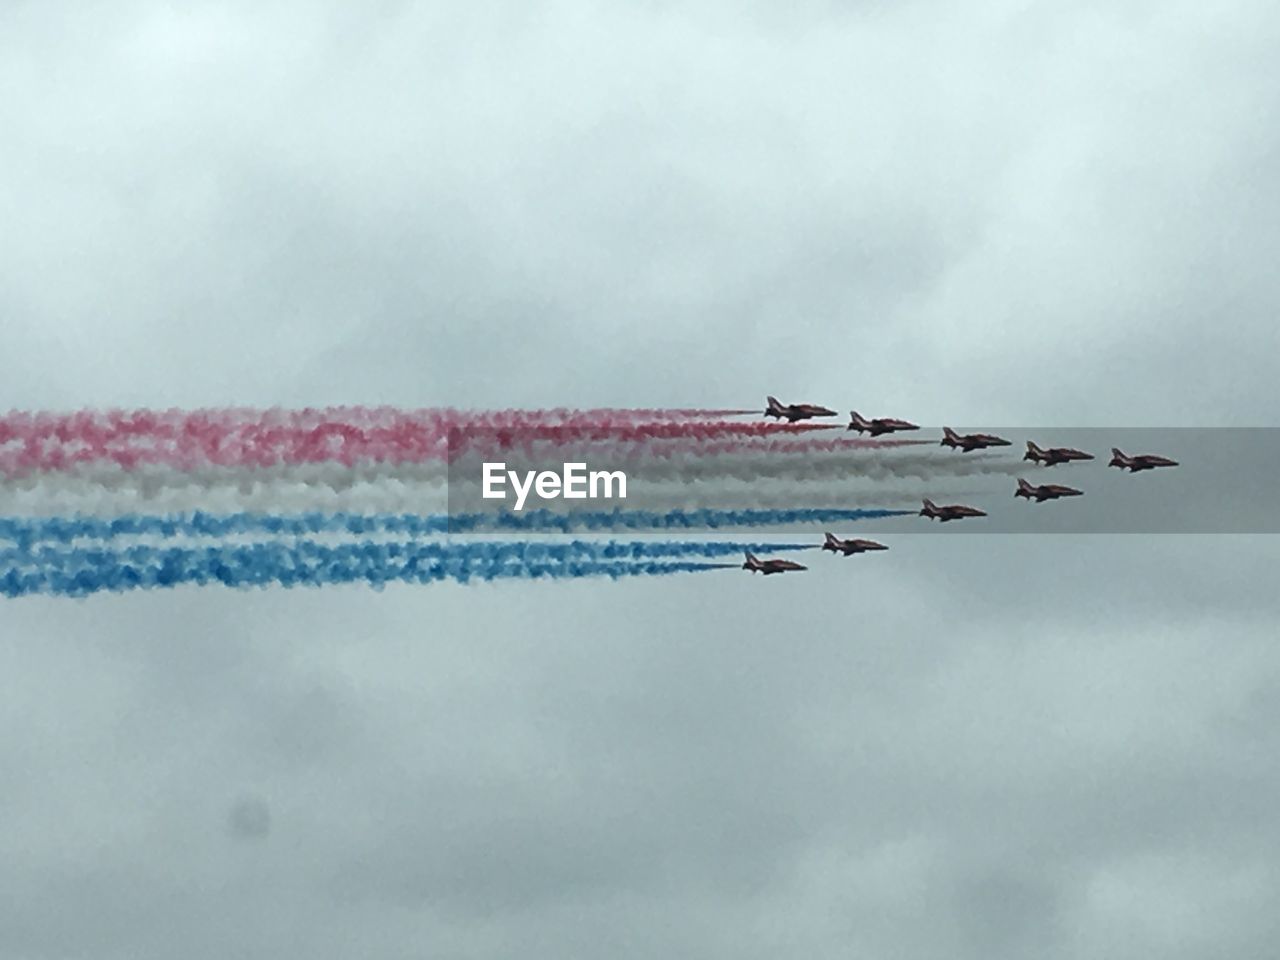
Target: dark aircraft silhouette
[(1046, 491), (953, 512), (847, 547), (1054, 454), (1145, 461), (795, 411), (877, 425), (767, 567), (970, 441)]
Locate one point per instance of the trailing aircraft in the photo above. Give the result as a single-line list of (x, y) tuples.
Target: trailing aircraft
[(756, 565), (848, 547), (877, 425), (1054, 455), (970, 441), (1145, 461), (1046, 491), (795, 411), (952, 512)]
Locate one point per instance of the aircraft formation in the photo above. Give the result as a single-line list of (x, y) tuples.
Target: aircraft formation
[(966, 443), (116, 500)]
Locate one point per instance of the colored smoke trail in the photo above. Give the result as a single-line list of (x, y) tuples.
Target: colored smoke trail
[(93, 427), (68, 496), (33, 536), (81, 572), (664, 449), (31, 443), (148, 481), (713, 482), (725, 494), (494, 440), (26, 532), (546, 521), (746, 467), (151, 478), (567, 414), (523, 552)]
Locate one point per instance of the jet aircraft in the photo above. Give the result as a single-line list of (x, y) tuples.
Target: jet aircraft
[(847, 547), (1054, 455), (970, 441), (877, 425), (952, 512), (1145, 461), (755, 564), (795, 411), (1046, 491)]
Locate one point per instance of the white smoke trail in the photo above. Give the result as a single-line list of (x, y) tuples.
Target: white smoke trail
[(152, 481), (68, 495), (157, 482), (869, 464), (734, 494)]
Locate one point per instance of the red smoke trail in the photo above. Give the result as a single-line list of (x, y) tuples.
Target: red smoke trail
[(197, 443), (247, 438), (102, 425), (640, 451), (485, 439), (765, 445), (634, 413)]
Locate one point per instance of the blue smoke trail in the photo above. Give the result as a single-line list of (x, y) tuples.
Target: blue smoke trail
[(480, 551), (80, 573), (548, 521), (25, 532)]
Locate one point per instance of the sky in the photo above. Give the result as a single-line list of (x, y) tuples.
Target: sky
[(969, 746)]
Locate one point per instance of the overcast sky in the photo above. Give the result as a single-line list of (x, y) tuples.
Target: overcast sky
[(967, 747)]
